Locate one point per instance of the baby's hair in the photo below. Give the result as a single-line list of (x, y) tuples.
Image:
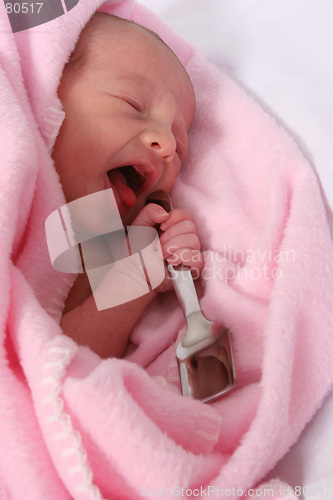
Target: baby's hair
[(100, 21)]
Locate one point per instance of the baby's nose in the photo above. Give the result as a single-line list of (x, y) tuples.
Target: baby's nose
[(160, 140)]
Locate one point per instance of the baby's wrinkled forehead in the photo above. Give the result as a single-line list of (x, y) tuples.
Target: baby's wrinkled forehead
[(97, 29)]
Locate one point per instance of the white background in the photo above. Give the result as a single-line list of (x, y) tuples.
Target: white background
[(281, 52)]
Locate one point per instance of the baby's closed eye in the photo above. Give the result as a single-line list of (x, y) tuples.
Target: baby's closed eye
[(131, 102)]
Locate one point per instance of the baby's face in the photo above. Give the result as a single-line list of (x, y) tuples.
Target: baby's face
[(128, 112)]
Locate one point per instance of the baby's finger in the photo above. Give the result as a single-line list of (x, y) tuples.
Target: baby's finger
[(151, 215), (183, 227), (189, 240), (176, 215)]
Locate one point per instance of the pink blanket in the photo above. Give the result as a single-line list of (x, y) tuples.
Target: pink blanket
[(74, 426)]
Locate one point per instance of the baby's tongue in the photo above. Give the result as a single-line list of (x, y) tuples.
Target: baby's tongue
[(126, 194)]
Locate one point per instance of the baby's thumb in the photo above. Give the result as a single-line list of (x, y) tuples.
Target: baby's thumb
[(151, 215)]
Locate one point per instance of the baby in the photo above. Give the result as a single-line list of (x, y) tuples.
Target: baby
[(128, 104)]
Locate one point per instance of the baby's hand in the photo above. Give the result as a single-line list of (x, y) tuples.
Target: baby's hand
[(179, 241)]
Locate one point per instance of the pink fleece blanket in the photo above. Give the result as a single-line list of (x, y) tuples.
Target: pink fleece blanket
[(74, 426)]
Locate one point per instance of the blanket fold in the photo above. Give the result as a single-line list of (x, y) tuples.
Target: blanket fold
[(75, 426)]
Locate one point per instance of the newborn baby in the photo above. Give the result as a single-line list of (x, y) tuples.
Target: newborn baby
[(128, 105)]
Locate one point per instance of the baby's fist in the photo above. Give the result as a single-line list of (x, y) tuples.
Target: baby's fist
[(180, 242)]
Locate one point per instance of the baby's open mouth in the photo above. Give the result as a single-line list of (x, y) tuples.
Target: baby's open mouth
[(126, 181), (134, 179)]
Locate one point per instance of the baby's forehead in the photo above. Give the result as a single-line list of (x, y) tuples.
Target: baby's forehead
[(105, 33), (102, 23)]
